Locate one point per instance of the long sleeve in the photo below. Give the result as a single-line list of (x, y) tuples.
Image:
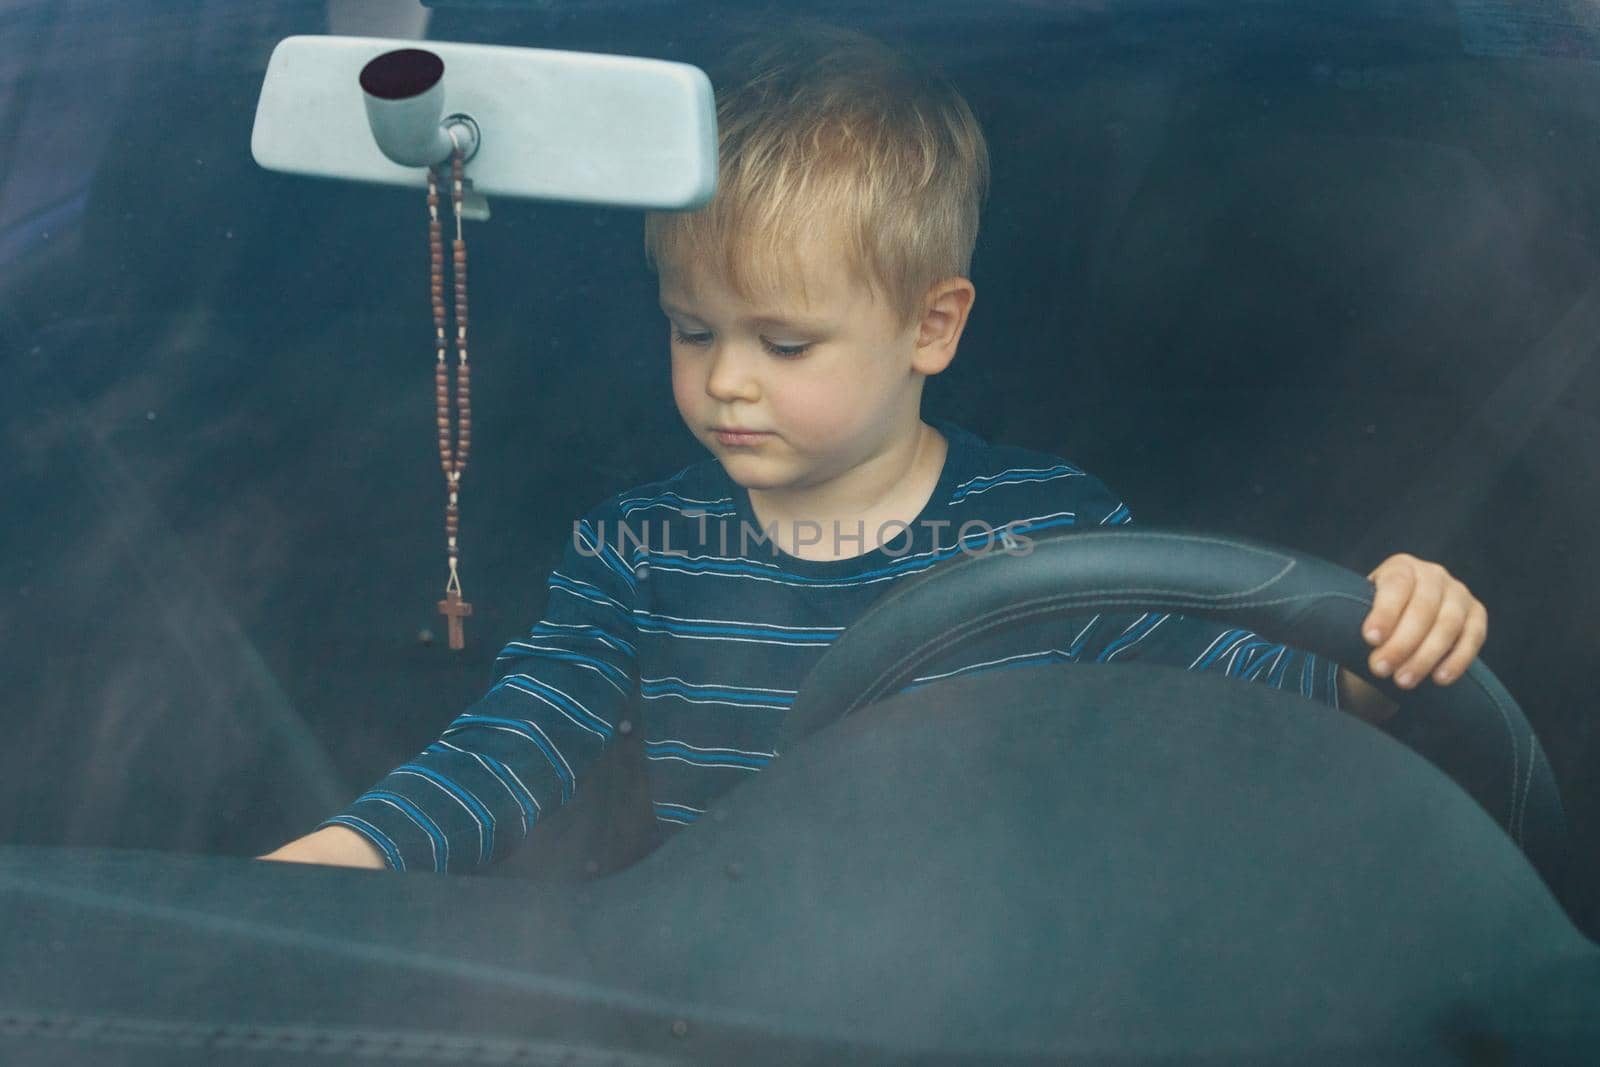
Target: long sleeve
[(1202, 645), (517, 753)]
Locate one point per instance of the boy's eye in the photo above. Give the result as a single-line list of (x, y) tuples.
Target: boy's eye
[(701, 339), (785, 350)]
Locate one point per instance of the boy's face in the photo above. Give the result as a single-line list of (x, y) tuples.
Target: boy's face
[(793, 392)]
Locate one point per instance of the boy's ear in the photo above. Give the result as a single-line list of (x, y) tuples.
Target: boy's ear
[(944, 315)]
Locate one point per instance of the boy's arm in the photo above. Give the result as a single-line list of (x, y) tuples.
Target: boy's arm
[(334, 846), (1423, 622), (515, 755)]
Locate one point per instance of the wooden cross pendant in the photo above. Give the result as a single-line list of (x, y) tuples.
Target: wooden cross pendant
[(455, 609)]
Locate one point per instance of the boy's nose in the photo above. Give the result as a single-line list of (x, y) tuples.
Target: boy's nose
[(729, 376)]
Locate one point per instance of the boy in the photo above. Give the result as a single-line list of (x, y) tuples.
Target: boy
[(808, 304)]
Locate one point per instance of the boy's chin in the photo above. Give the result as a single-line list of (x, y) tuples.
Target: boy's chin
[(755, 473), (742, 475)]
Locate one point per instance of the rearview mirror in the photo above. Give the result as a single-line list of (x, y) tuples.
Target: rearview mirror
[(547, 125)]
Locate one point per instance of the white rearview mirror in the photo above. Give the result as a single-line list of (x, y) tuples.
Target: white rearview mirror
[(535, 123)]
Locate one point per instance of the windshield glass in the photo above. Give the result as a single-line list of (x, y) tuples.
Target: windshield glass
[(1321, 275)]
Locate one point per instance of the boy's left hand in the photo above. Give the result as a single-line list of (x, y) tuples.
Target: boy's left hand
[(1423, 622)]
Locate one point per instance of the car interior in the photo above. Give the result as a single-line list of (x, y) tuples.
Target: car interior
[(1310, 279)]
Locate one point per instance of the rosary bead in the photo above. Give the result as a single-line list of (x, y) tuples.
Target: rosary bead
[(451, 461)]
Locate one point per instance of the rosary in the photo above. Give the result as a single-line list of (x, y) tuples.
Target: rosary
[(453, 460)]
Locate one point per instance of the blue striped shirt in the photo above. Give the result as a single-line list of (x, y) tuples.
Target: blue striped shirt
[(673, 615)]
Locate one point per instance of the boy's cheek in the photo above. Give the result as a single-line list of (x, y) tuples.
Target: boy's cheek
[(687, 394)]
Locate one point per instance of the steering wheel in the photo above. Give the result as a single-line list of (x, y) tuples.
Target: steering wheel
[(1472, 730)]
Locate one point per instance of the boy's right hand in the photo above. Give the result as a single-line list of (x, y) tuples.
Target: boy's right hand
[(333, 846)]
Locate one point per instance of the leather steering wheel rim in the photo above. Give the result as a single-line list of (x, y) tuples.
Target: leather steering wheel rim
[(1473, 730)]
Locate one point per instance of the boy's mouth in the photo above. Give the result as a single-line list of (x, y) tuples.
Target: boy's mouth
[(734, 438)]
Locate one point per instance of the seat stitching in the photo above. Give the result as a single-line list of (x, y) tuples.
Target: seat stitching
[(1527, 786)]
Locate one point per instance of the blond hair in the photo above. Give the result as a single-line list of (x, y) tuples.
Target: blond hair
[(826, 135)]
